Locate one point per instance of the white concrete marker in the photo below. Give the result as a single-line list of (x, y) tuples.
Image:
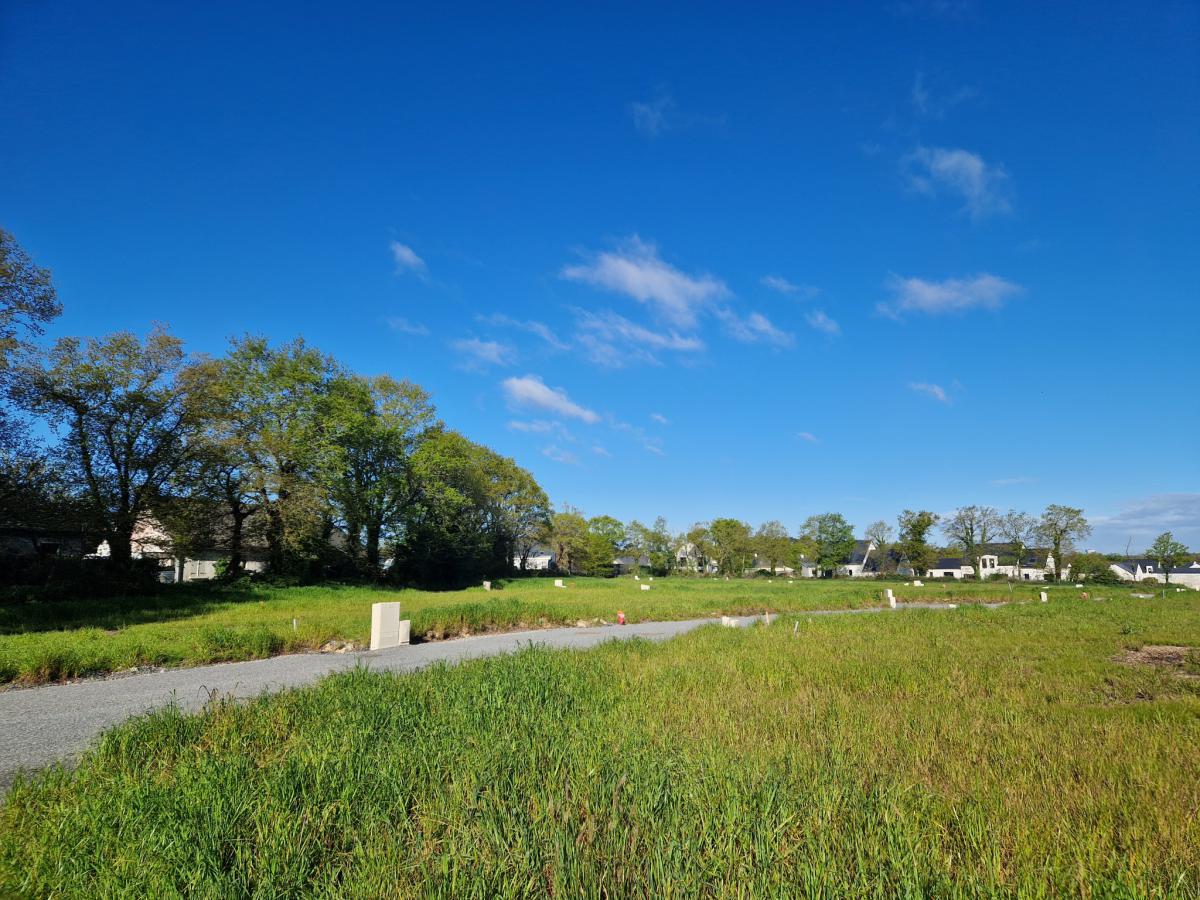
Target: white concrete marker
[(487, 585), (644, 587), (1079, 585), (1044, 597), (637, 578), (558, 582), (730, 622), (891, 598), (386, 628), (918, 584)]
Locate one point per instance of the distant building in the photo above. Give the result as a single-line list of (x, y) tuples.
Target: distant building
[(1148, 570), (629, 565), (539, 559)]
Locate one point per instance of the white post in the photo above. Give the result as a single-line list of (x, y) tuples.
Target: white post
[(386, 627), (1044, 597), (891, 598), (644, 587), (558, 582), (487, 585)]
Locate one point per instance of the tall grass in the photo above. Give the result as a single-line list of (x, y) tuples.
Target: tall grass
[(967, 753), (196, 624)]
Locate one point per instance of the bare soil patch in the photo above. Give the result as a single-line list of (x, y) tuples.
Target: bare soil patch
[(1183, 661)]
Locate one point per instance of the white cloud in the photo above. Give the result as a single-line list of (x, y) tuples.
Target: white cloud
[(601, 451), (530, 392), (783, 286), (654, 117), (936, 391), (807, 436), (635, 269), (983, 187), (954, 295), (478, 355), (404, 326), (540, 426), (820, 321), (612, 340), (755, 328), (558, 454), (407, 259), (655, 448), (1018, 479), (532, 326), (927, 104), (1140, 521), (660, 419)]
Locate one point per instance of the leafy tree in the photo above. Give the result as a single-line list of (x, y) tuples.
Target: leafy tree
[(772, 543), (27, 303), (1167, 554), (1095, 567), (1020, 530), (969, 529), (914, 527), (522, 509), (570, 539), (606, 539), (124, 421), (881, 533), (731, 545), (1060, 527), (655, 542), (703, 549), (833, 538), (271, 408), (378, 422)]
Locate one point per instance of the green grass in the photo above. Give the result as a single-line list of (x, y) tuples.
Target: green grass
[(196, 624), (972, 752)]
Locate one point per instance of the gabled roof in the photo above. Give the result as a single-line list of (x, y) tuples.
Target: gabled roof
[(949, 562), (858, 554)]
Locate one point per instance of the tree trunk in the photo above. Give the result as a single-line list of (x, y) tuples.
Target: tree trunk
[(275, 539), (373, 532), (236, 561)]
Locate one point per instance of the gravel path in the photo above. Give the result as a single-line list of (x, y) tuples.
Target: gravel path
[(43, 725)]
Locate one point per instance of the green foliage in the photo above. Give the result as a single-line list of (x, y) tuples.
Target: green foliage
[(1167, 553), (913, 543), (732, 546), (977, 753), (832, 537), (1061, 527)]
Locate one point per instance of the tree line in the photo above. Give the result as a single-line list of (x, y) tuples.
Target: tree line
[(273, 446)]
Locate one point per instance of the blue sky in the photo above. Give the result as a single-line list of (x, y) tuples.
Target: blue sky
[(684, 260)]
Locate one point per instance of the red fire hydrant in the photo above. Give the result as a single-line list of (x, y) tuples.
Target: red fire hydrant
[(620, 617)]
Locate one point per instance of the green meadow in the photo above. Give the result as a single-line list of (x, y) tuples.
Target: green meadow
[(43, 641), (974, 752)]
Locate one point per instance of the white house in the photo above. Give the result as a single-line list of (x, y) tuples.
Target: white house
[(1035, 565), (540, 559), (1149, 570), (689, 559), (950, 567), (858, 563)]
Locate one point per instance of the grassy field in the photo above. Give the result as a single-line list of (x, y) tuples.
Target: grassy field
[(195, 624), (974, 752)]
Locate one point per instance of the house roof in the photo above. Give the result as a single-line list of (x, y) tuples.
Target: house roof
[(858, 554), (949, 562)]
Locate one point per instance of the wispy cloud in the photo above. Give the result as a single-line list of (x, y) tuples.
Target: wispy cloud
[(404, 326), (807, 436), (530, 392), (1145, 518), (660, 419), (983, 187), (558, 454), (821, 322), (936, 391), (478, 355), (781, 285), (636, 270), (654, 118), (407, 260), (1017, 479), (532, 326), (614, 341), (932, 106), (601, 451), (541, 426), (954, 295), (754, 328)]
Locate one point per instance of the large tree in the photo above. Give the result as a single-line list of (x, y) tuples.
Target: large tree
[(271, 405), (377, 424), (1020, 530), (833, 538), (1167, 553), (881, 533), (772, 544), (969, 529), (1061, 527), (125, 424), (569, 537), (731, 545), (914, 527)]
